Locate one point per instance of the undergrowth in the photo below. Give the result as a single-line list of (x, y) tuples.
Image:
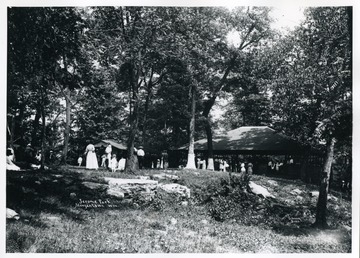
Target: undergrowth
[(222, 215)]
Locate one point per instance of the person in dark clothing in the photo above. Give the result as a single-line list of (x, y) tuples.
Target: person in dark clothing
[(140, 154)]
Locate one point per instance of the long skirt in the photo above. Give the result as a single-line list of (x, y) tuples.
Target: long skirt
[(121, 165), (91, 161)]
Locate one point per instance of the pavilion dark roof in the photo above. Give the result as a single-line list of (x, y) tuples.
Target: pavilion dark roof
[(251, 138)]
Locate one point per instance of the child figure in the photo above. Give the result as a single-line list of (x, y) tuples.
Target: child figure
[(80, 161), (113, 163), (243, 169), (103, 159), (221, 165)]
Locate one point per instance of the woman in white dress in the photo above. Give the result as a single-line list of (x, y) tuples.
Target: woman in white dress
[(9, 160), (91, 160), (108, 151), (113, 163), (122, 163)]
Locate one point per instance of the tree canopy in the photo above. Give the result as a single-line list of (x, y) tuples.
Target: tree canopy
[(126, 73)]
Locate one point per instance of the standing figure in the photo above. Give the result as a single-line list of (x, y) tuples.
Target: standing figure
[(91, 160), (198, 162), (140, 154), (221, 166), (250, 169), (278, 165), (165, 158), (79, 161), (203, 164), (122, 163), (226, 165), (242, 171), (103, 159), (113, 163), (108, 151), (38, 157)]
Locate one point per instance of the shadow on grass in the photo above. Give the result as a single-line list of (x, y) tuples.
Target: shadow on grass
[(53, 191), (292, 230)]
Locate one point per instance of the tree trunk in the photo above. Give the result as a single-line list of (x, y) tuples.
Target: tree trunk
[(43, 137), (210, 165), (20, 126), (67, 127), (12, 130), (324, 186), (131, 161), (146, 109), (208, 106), (34, 134), (191, 154)]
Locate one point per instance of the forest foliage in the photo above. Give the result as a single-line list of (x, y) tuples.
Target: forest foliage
[(79, 75)]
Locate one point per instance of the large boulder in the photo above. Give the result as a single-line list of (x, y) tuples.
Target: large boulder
[(176, 189), (296, 192), (259, 190), (123, 188)]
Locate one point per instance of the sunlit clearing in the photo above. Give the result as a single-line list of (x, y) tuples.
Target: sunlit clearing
[(233, 38)]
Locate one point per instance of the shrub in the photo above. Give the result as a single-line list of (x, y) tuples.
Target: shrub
[(237, 205), (228, 199)]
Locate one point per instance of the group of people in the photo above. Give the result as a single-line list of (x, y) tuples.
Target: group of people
[(109, 160), (162, 162), (275, 165), (30, 159), (244, 167), (223, 165)]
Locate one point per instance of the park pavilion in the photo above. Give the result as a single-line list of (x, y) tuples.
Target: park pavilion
[(258, 145)]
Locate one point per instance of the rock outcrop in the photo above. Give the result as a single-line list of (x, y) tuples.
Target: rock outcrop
[(128, 188), (176, 189), (259, 190), (122, 188)]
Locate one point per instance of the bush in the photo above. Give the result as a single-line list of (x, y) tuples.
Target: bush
[(227, 198), (237, 205)]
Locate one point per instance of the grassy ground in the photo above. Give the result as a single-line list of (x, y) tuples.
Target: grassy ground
[(217, 219)]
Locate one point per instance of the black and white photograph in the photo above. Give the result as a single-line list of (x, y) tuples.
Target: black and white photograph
[(180, 128)]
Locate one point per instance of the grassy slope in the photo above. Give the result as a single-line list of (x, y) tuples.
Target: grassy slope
[(50, 221)]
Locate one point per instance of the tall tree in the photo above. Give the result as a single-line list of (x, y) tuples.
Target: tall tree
[(135, 42), (314, 87), (37, 39), (252, 25)]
